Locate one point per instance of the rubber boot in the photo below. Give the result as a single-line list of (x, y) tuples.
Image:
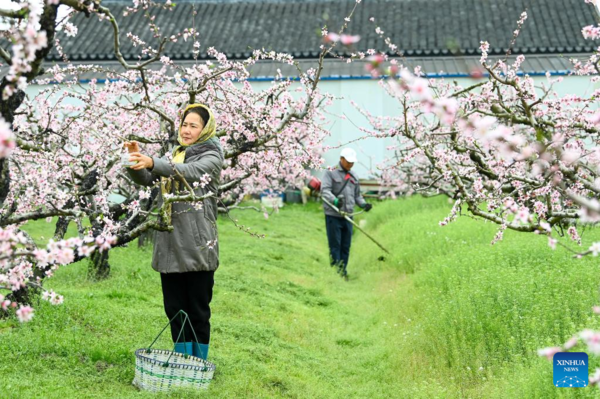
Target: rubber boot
[(200, 350), (184, 347)]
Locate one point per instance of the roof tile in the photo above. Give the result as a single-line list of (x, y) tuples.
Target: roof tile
[(438, 27)]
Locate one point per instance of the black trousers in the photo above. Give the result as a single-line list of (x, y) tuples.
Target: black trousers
[(192, 293), (339, 235)]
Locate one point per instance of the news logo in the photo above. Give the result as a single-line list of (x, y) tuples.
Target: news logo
[(570, 369)]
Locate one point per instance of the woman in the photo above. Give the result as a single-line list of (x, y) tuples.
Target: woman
[(188, 256)]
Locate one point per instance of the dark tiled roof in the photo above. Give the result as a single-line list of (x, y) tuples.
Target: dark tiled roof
[(420, 28)]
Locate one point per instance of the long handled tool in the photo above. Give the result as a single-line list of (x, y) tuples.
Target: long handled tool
[(345, 215)]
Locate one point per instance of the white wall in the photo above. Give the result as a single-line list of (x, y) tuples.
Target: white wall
[(371, 97)]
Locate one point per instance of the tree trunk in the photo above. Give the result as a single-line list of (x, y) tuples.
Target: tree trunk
[(61, 228), (23, 296), (63, 223), (146, 239), (99, 268)]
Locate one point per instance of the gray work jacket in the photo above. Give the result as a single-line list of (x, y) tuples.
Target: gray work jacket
[(332, 183), (185, 248)]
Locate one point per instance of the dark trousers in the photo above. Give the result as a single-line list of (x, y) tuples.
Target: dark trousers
[(339, 235), (192, 293)]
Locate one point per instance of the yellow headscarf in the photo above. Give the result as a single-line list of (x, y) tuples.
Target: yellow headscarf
[(209, 131)]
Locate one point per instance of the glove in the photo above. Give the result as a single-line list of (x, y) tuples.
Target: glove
[(368, 207), (339, 202)]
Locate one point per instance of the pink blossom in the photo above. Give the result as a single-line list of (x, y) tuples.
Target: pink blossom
[(7, 142), (70, 29), (592, 339), (570, 156), (42, 256), (376, 59), (545, 226), (522, 215), (484, 47), (571, 343), (591, 32), (349, 39), (331, 38), (483, 125), (86, 250), (64, 256), (595, 378), (595, 119), (540, 209), (574, 235), (24, 313), (52, 297), (549, 352), (205, 180), (419, 88)]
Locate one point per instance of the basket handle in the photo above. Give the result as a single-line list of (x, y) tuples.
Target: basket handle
[(186, 319)]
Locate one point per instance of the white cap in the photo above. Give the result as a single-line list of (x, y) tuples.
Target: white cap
[(349, 154)]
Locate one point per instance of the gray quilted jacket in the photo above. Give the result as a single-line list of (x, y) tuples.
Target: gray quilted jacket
[(186, 248), (331, 187)]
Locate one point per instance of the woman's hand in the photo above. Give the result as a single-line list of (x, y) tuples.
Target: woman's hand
[(132, 146), (142, 161)]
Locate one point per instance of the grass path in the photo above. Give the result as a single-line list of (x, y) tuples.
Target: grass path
[(446, 315)]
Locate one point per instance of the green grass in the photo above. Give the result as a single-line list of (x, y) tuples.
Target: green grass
[(446, 315)]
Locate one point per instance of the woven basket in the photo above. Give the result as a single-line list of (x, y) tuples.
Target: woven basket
[(160, 370)]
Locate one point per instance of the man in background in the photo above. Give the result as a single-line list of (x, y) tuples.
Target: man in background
[(340, 187)]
